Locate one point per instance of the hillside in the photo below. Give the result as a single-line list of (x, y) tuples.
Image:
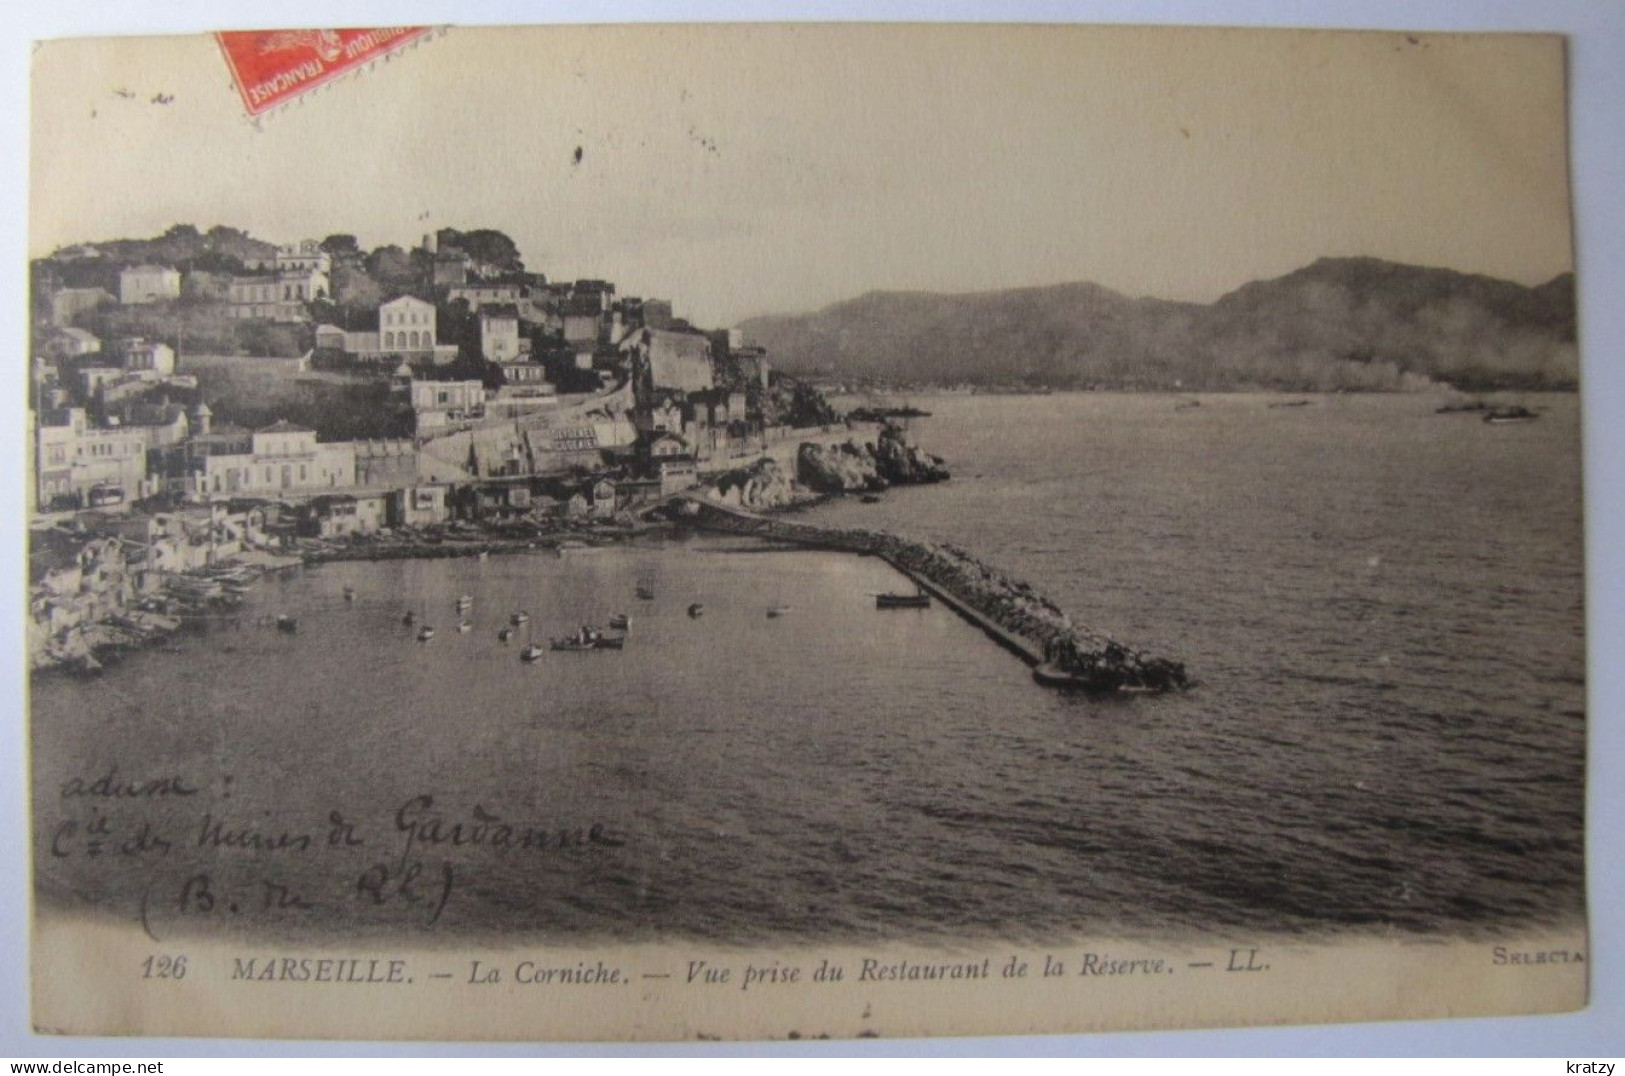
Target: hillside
[(1343, 323)]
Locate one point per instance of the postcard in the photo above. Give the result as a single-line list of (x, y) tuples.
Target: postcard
[(801, 531)]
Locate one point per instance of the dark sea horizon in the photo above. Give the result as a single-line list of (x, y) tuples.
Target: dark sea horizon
[(1382, 606)]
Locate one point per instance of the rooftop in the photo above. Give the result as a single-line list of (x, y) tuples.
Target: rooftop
[(282, 425)]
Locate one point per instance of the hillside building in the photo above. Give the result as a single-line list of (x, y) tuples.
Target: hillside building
[(148, 284)]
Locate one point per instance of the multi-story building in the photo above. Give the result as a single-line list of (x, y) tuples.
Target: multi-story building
[(305, 255), (385, 464), (482, 293), (442, 403), (580, 326), (68, 303), (499, 334), (406, 326), (148, 284), (417, 506), (670, 360), (279, 295), (657, 314), (86, 464), (282, 460), (72, 343), (161, 424), (149, 359), (450, 268)]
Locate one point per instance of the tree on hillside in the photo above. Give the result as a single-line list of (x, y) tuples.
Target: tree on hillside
[(454, 324), (392, 268), (177, 246), (485, 245), (423, 265), (236, 243), (354, 289), (211, 261), (341, 246), (466, 367)]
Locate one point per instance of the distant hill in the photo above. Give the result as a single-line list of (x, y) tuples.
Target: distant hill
[(1341, 323)]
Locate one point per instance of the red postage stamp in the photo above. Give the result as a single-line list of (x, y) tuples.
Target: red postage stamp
[(272, 67)]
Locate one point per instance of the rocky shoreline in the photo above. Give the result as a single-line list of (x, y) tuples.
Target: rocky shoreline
[(867, 468), (825, 471), (1029, 622)]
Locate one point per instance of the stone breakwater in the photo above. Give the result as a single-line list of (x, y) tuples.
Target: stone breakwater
[(1015, 614)]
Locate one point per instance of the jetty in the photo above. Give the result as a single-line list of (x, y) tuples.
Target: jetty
[(1006, 610)]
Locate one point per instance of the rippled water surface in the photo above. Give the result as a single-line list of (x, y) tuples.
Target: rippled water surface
[(1383, 607)]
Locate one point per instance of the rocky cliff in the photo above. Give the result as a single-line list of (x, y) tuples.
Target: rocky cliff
[(764, 484), (900, 463), (859, 468)]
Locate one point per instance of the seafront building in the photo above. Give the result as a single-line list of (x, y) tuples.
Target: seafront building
[(282, 458), (79, 463)]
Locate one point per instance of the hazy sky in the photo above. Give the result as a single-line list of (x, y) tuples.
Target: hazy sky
[(745, 170)]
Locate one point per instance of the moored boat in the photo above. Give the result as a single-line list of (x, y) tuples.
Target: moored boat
[(918, 600), (589, 638), (287, 623), (520, 617), (696, 610), (425, 633), (464, 626), (531, 652), (620, 622), (505, 634), (575, 644)]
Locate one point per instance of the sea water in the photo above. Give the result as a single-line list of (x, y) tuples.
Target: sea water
[(1383, 608)]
